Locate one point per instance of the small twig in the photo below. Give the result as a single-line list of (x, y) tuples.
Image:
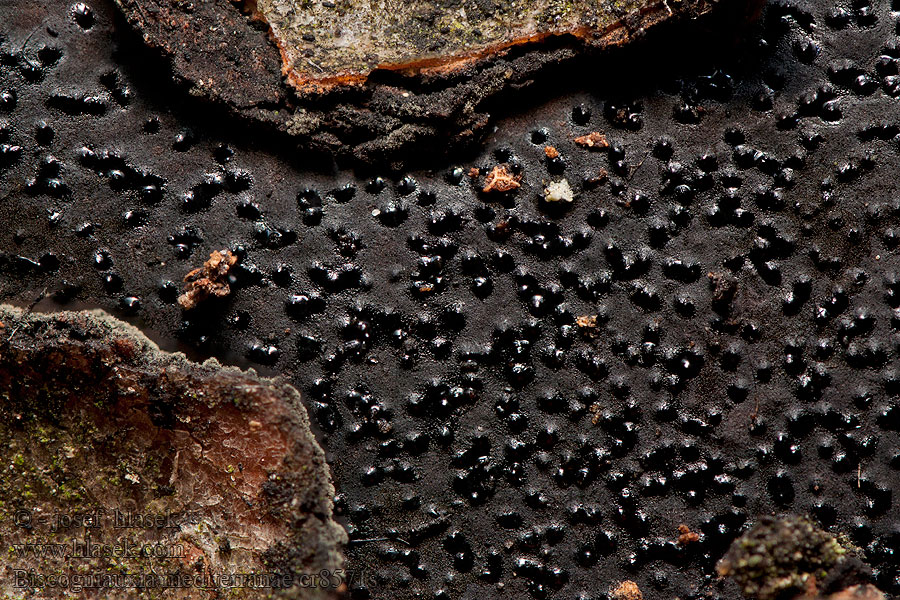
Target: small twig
[(381, 539), (321, 70), (140, 9), (27, 39), (638, 166), (25, 43), (28, 311)]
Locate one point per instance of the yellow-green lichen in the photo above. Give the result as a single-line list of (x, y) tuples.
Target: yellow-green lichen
[(779, 557), (353, 37)]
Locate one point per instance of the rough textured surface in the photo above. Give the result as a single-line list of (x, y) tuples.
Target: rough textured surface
[(857, 592), (737, 271), (781, 558), (376, 83), (627, 590), (210, 280), (328, 43), (216, 48), (208, 469)]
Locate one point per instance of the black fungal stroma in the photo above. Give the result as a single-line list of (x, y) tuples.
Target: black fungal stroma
[(518, 402)]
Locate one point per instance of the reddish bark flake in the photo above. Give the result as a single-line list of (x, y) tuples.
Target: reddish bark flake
[(594, 141), (208, 280), (501, 180)]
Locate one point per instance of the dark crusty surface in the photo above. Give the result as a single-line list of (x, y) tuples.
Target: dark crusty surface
[(520, 399)]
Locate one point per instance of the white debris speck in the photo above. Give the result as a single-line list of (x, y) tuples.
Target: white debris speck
[(559, 191), (132, 478)]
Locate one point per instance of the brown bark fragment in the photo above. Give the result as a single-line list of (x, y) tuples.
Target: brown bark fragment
[(213, 469), (209, 280), (374, 88), (686, 536), (627, 590), (501, 180), (594, 141)]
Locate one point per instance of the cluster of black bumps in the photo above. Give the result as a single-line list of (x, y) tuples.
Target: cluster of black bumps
[(739, 262)]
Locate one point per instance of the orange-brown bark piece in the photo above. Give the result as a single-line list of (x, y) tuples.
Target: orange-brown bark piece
[(586, 321), (324, 45), (501, 180), (856, 592), (594, 141), (686, 536), (316, 71), (209, 280), (627, 590), (191, 470)]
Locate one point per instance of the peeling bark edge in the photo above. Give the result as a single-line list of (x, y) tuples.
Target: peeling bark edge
[(105, 339), (386, 118)]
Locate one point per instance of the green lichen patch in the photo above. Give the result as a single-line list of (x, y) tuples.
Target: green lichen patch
[(350, 38), (783, 558)]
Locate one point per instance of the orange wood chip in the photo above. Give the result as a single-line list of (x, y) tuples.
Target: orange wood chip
[(501, 180), (594, 140)]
